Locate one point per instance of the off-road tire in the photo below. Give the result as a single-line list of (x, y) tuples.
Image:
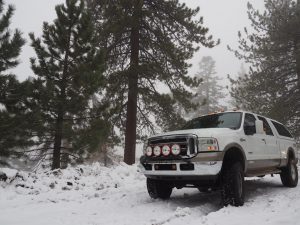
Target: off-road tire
[(289, 174), (159, 189), (233, 185)]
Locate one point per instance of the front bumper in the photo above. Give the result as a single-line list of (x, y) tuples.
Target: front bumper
[(202, 165)]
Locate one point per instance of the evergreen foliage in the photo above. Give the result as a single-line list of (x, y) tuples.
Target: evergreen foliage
[(272, 86), (12, 131), (70, 69), (148, 43), (209, 92), (238, 82)]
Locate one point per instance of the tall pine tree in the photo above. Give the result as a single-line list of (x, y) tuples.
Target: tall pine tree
[(69, 68), (148, 43), (209, 92), (12, 132), (272, 86), (237, 83)]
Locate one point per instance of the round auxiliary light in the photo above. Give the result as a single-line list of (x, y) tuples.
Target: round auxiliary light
[(166, 150), (156, 150), (175, 149), (149, 151)]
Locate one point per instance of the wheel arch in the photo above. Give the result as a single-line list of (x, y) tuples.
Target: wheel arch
[(234, 152), (292, 154)]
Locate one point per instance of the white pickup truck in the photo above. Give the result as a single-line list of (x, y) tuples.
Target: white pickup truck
[(217, 151)]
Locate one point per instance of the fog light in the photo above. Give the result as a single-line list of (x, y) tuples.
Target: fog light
[(175, 149), (157, 150), (149, 151), (166, 150)]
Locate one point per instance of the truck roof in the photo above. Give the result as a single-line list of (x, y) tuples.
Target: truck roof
[(242, 111)]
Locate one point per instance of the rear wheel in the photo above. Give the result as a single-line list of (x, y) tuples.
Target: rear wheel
[(233, 185), (289, 174), (159, 189)]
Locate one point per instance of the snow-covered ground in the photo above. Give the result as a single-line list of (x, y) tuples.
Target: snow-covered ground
[(94, 195)]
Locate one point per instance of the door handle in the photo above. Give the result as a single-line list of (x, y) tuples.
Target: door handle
[(242, 139), (264, 140)]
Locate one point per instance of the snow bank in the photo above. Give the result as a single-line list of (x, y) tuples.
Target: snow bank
[(86, 180), (97, 195)]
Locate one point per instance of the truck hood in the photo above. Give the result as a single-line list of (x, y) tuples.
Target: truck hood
[(208, 132)]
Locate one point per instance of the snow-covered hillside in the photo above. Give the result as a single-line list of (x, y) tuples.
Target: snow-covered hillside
[(94, 195)]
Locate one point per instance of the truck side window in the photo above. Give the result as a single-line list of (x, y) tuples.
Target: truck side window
[(282, 130), (249, 123), (267, 127)]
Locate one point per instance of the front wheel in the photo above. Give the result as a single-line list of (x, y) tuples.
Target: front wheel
[(159, 189), (289, 174), (233, 185)]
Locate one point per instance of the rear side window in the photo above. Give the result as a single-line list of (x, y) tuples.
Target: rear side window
[(267, 127), (282, 130)]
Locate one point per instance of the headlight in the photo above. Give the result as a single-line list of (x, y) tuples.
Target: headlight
[(208, 144)]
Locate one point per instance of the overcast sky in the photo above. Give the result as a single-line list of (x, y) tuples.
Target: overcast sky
[(224, 19)]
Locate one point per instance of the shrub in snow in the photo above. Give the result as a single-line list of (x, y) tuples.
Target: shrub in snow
[(3, 176), (86, 180)]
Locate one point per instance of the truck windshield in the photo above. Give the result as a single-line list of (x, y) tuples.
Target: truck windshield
[(230, 120)]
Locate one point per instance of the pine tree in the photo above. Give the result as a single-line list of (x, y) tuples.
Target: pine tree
[(209, 92), (70, 71), (272, 86), (237, 83), (12, 132), (148, 43)]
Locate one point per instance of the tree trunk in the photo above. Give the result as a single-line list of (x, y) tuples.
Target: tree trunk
[(57, 142), (130, 132), (61, 110), (297, 59), (297, 46), (207, 94)]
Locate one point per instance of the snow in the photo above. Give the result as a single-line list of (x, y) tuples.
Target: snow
[(2, 108), (96, 195)]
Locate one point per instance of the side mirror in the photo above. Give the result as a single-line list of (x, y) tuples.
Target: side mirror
[(259, 127)]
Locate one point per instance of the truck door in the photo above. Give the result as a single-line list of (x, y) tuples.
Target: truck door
[(255, 143), (272, 147)]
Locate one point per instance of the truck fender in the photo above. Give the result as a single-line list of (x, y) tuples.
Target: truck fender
[(293, 152), (240, 149)]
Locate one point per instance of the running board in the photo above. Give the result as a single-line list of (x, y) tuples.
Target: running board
[(262, 172)]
